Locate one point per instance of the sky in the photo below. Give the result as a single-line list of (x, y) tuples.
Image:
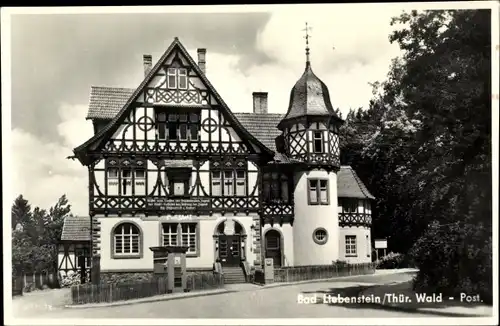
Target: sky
[(55, 58)]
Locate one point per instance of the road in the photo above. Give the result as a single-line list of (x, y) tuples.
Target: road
[(254, 302)]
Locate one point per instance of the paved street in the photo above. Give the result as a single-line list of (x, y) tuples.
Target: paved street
[(254, 302)]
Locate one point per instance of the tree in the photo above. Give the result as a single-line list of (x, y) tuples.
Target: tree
[(21, 212), (423, 148)]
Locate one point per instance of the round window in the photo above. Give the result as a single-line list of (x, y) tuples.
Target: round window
[(320, 236)]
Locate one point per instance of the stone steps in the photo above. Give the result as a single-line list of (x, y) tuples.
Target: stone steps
[(233, 275)]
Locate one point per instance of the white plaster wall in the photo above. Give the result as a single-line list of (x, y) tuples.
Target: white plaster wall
[(151, 238), (309, 217), (363, 248), (286, 231)]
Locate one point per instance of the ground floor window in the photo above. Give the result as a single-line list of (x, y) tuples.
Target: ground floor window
[(182, 234), (126, 240), (350, 245)]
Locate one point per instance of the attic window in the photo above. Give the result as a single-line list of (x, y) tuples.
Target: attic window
[(177, 78), (178, 126)]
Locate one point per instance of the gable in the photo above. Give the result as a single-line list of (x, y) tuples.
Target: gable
[(197, 92)]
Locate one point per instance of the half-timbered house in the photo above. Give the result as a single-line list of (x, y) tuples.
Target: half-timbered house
[(171, 164)]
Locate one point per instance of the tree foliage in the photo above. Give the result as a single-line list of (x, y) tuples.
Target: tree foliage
[(36, 234), (423, 147)]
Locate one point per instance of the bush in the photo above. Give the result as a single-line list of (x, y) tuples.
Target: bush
[(455, 259), (71, 278)]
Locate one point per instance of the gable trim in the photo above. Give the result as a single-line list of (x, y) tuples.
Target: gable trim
[(113, 124)]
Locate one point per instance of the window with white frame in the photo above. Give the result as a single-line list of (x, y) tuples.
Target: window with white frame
[(228, 183), (350, 245), (81, 255), (241, 183), (349, 205), (318, 192), (177, 78), (169, 234), (216, 183), (188, 237), (126, 240), (184, 234)]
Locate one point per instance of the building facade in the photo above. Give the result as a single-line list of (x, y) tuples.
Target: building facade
[(171, 164)]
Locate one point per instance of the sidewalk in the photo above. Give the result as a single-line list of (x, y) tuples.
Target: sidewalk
[(228, 289)]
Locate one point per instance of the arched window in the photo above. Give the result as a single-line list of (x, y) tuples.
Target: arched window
[(126, 240)]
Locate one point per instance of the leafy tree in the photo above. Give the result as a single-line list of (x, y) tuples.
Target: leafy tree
[(21, 212), (423, 148)]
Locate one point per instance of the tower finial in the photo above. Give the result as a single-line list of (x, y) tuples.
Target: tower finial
[(307, 29)]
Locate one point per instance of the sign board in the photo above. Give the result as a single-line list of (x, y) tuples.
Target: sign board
[(381, 244), (177, 260), (179, 204)]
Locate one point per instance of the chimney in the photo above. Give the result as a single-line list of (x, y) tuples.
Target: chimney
[(259, 102), (148, 63), (202, 60)]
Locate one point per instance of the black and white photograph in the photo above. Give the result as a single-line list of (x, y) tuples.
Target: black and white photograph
[(251, 164)]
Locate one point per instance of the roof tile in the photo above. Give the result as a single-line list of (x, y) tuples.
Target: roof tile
[(76, 228)]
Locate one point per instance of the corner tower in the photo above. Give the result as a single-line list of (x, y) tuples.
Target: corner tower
[(310, 138)]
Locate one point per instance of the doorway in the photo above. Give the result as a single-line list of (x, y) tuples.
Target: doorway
[(273, 247), (230, 250)]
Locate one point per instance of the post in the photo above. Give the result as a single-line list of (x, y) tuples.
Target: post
[(95, 275)]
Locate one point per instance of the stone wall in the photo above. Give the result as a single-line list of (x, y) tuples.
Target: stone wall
[(124, 277)]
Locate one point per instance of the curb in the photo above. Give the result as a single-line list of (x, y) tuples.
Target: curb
[(147, 300)]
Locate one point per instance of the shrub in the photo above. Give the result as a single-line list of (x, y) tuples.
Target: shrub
[(455, 259)]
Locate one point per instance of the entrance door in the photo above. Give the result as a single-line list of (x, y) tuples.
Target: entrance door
[(273, 247), (230, 250)]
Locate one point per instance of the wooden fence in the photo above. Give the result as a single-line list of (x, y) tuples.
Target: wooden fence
[(91, 293), (33, 281), (317, 272)]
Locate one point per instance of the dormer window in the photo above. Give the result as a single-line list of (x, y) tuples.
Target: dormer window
[(318, 142), (177, 78)]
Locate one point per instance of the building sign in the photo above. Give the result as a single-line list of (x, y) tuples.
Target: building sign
[(178, 204), (381, 244)]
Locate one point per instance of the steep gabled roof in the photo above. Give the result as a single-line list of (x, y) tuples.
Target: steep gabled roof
[(76, 228), (113, 125), (105, 102), (349, 185)]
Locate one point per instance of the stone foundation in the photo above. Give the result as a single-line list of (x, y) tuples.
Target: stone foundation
[(125, 277)]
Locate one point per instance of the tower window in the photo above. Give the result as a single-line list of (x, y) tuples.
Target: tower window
[(318, 193), (318, 142), (320, 236)]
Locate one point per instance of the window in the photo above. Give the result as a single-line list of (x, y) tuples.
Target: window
[(188, 237), (275, 187), (318, 142), (228, 183), (216, 183), (126, 241), (184, 234), (349, 205), (320, 236), (241, 182), (82, 257), (177, 78), (318, 192), (350, 245), (169, 234), (113, 173), (180, 126), (140, 173)]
